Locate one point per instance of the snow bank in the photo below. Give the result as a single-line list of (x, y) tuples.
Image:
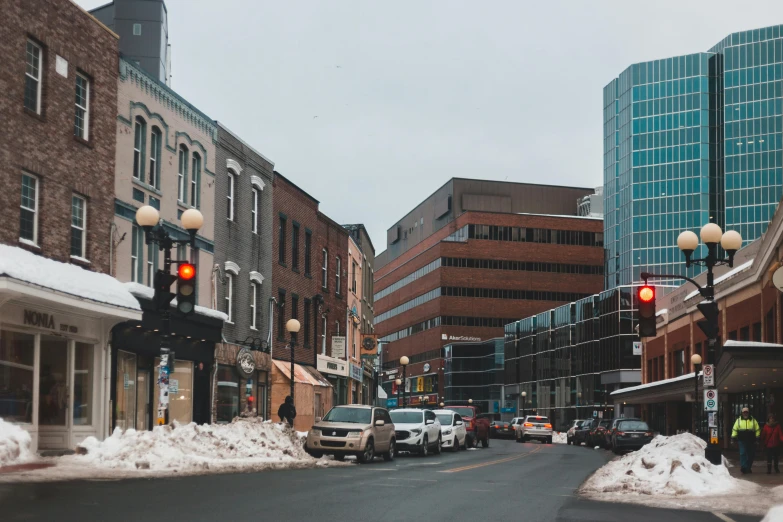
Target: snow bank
[(244, 444), (774, 515), (15, 445), (559, 437), (670, 466)]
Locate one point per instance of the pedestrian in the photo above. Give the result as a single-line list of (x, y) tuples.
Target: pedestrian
[(287, 412), (747, 432), (771, 439)]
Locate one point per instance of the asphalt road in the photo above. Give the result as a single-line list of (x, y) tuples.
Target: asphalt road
[(507, 481)]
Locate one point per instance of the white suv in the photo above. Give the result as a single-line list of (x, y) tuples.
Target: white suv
[(417, 431), (452, 429), (535, 427)]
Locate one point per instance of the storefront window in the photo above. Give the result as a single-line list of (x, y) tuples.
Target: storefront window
[(260, 397), (17, 352), (227, 394), (53, 388), (180, 391), (82, 385), (126, 390)]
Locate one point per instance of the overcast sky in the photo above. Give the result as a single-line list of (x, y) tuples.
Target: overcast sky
[(370, 106)]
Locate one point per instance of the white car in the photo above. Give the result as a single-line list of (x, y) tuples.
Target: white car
[(515, 422), (417, 431), (452, 430)]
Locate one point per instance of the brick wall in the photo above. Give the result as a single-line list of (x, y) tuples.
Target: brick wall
[(44, 145)]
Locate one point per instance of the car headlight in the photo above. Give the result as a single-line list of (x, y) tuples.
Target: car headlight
[(416, 431), (447, 432), (315, 431), (356, 434)]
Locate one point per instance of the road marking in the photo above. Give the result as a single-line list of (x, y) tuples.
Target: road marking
[(490, 463), (723, 517)]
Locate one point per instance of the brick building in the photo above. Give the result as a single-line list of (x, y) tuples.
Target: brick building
[(57, 145), (310, 277), (460, 266)]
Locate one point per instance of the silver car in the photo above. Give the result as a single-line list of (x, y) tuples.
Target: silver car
[(358, 430), (534, 427)]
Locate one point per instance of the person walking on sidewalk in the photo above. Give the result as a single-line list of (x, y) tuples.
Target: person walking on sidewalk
[(746, 430), (771, 439)]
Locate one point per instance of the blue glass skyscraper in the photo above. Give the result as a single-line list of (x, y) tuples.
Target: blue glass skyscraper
[(688, 140)]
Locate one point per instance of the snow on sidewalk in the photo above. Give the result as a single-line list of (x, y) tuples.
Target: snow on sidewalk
[(673, 472), (559, 437), (15, 445)]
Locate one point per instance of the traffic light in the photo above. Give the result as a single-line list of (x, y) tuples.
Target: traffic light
[(163, 294), (186, 288), (709, 325), (646, 310)]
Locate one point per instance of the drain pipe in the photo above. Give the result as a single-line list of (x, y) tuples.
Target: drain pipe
[(272, 304)]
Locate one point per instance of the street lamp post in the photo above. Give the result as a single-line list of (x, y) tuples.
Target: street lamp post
[(149, 219), (695, 362), (398, 382), (442, 404), (524, 401), (292, 326), (404, 363)]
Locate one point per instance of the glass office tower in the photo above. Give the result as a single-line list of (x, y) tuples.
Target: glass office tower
[(688, 140)]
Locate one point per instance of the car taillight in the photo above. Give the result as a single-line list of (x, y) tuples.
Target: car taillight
[(648, 434), (548, 426), (528, 425), (621, 433)]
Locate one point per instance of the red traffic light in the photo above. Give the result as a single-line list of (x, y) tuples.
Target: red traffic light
[(186, 271), (646, 294)]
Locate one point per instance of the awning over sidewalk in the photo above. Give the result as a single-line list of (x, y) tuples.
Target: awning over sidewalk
[(744, 365), (303, 374), (659, 391)]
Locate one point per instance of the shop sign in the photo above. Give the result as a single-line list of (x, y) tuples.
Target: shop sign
[(391, 372), (338, 347), (246, 364), (461, 338), (426, 367), (391, 403), (332, 366), (356, 373), (637, 348), (173, 385), (45, 320)]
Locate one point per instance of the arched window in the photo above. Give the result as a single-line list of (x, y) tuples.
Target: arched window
[(182, 174), (195, 181), (139, 140), (154, 173)]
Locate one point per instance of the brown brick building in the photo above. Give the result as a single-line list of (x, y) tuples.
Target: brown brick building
[(309, 274), (57, 155), (457, 271)]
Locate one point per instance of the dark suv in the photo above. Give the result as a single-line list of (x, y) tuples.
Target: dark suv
[(582, 433), (613, 429)]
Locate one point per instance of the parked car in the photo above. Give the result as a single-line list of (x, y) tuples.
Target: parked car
[(477, 427), (613, 429), (453, 435), (417, 431), (572, 429), (501, 429), (534, 427), (582, 432), (358, 430), (515, 422), (597, 433), (631, 435)]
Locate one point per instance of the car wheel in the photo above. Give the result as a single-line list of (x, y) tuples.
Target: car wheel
[(485, 442), (518, 439), (339, 457), (549, 440), (425, 447), (368, 454), (615, 450), (389, 455), (455, 445), (437, 446)]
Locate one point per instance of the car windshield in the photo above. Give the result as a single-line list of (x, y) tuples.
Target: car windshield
[(579, 424), (357, 415), (465, 412), (538, 419), (633, 426), (407, 417), (445, 418), (605, 424)]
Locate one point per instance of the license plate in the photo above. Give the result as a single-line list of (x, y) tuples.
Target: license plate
[(635, 436)]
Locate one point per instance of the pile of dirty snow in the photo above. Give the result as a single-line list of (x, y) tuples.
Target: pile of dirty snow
[(774, 515), (15, 445), (244, 444), (559, 437), (670, 466)]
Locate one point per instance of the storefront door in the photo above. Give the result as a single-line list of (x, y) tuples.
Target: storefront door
[(126, 390), (142, 399)]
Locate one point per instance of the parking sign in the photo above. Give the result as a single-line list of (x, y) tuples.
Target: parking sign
[(709, 375), (710, 400)]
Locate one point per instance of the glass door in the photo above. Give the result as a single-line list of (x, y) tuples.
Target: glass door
[(142, 400), (125, 402), (180, 391), (54, 393)]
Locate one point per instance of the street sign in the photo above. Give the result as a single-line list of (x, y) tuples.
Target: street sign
[(710, 400), (391, 403), (600, 415), (507, 410), (637, 348), (709, 375), (712, 419), (713, 435), (595, 413)]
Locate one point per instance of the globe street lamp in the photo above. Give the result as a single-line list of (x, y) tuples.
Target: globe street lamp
[(442, 404), (695, 362), (292, 327), (398, 382), (404, 363), (524, 399)]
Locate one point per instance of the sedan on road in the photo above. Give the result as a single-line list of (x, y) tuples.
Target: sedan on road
[(500, 429), (363, 431), (631, 435), (534, 427), (452, 430), (613, 429), (417, 431)]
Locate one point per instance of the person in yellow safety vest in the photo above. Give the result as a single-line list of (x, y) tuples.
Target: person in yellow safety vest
[(747, 432)]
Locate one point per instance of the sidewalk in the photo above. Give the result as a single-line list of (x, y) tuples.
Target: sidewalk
[(759, 475)]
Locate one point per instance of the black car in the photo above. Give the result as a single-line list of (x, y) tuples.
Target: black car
[(582, 433), (500, 429), (613, 429), (631, 435), (596, 437)]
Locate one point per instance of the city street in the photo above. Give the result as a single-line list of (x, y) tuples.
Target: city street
[(507, 481)]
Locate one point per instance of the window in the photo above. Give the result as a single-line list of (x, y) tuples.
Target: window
[(182, 173), (281, 239), (155, 142), (136, 250), (295, 247), (254, 211), (324, 268), (139, 137), (353, 281), (195, 179), (306, 326), (78, 225), (136, 29), (17, 351), (28, 225), (229, 296), (253, 304), (32, 79), (308, 243), (230, 196), (150, 264), (227, 407), (281, 315), (82, 121), (339, 269), (295, 315)]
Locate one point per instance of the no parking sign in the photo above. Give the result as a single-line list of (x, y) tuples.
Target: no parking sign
[(710, 400)]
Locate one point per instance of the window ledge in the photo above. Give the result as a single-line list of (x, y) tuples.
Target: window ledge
[(82, 141), (34, 114), (229, 322), (28, 243), (308, 276), (137, 181), (254, 328), (80, 260), (281, 263), (185, 206), (295, 270)]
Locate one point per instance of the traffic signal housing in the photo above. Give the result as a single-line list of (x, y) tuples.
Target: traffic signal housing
[(709, 309), (645, 314), (163, 294), (186, 288)]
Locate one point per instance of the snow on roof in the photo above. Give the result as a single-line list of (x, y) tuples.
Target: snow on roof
[(594, 218), (148, 293), (653, 384), (661, 312), (17, 263), (750, 344), (731, 273)]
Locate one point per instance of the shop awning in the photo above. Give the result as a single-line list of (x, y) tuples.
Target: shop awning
[(304, 374), (38, 279), (745, 365), (673, 389), (382, 393)]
